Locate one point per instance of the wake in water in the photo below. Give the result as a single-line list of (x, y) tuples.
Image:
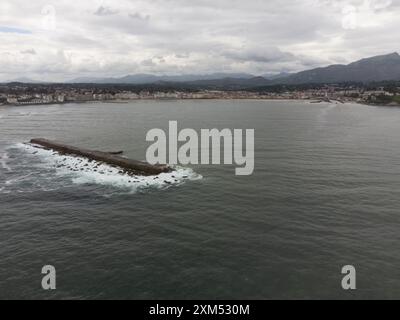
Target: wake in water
[(322, 116), (84, 171)]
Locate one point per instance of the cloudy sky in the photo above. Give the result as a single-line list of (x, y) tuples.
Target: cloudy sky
[(64, 39)]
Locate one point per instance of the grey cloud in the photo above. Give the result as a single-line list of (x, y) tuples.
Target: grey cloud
[(105, 11), (148, 63), (264, 55), (139, 16), (105, 38), (29, 51), (182, 55)]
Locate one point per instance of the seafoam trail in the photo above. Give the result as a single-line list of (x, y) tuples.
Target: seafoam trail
[(84, 171)]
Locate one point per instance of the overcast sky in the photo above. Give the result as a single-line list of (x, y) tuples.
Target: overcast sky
[(64, 39)]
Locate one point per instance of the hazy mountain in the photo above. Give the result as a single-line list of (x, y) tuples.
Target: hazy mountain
[(379, 68), (271, 76), (24, 80), (149, 78), (229, 83)]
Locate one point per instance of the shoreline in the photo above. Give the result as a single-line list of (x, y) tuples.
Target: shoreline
[(310, 101)]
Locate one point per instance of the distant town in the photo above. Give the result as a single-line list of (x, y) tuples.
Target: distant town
[(18, 94), (374, 80)]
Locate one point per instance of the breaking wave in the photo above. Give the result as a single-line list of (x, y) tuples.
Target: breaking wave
[(84, 171)]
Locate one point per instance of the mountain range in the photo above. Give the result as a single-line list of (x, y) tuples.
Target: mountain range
[(149, 78), (378, 68)]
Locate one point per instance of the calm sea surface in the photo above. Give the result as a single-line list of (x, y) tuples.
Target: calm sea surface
[(325, 193)]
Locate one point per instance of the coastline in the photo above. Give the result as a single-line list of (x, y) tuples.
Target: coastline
[(125, 101), (388, 105), (311, 101)]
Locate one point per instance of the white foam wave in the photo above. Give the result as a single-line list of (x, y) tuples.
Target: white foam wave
[(26, 113), (17, 180), (3, 161), (83, 171)]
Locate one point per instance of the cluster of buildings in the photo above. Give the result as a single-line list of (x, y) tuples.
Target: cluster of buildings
[(31, 99), (92, 96), (16, 96), (337, 93)]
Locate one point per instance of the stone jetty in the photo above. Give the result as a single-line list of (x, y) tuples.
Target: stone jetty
[(130, 166)]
